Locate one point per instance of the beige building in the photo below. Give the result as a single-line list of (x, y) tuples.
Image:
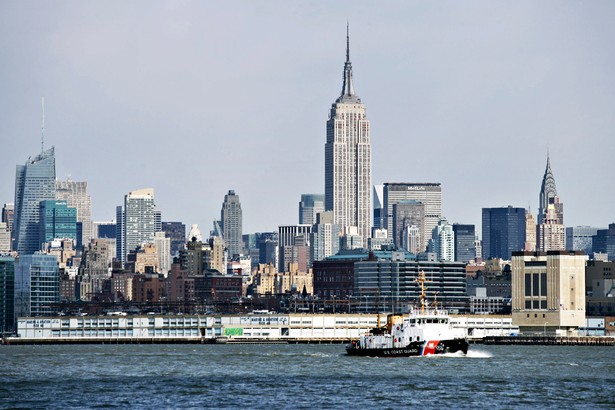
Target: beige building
[(548, 291), (269, 281), (551, 233), (530, 232)]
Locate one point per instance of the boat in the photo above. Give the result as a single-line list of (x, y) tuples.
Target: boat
[(425, 331)]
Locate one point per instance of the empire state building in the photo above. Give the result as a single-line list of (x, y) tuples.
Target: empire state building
[(348, 166)]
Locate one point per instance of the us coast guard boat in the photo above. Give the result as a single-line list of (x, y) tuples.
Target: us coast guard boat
[(425, 331)]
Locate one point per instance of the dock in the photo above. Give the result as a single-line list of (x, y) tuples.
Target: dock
[(550, 340)]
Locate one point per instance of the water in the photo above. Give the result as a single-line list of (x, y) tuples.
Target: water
[(302, 377)]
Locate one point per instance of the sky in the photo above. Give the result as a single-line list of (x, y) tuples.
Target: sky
[(195, 98)]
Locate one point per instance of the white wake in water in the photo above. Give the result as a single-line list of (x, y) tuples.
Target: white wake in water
[(481, 354)]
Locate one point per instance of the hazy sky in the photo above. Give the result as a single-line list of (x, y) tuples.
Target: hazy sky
[(196, 98)]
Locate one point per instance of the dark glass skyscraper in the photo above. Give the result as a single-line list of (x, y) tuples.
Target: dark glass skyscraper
[(34, 182), (503, 231), (465, 237)]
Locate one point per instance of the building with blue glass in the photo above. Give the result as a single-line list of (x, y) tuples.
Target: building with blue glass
[(503, 231), (57, 221), (34, 182), (37, 285)]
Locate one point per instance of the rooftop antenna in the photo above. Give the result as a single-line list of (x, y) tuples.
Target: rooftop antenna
[(43, 126), (347, 41)]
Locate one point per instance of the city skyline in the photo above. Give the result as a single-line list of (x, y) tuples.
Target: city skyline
[(456, 106)]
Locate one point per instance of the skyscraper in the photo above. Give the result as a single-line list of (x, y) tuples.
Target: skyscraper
[(579, 238), (57, 221), (550, 231), (443, 241), (37, 285), (548, 193), (309, 207), (408, 214), (324, 238), (231, 219), (136, 221), (75, 193), (465, 242), (503, 231), (348, 170), (34, 182), (430, 194)]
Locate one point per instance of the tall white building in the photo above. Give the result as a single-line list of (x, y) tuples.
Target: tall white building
[(163, 247), (348, 169), (75, 193), (443, 240), (135, 221)]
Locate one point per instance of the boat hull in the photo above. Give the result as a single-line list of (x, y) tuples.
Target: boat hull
[(420, 348)]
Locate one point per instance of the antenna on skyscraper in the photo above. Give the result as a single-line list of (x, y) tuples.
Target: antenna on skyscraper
[(347, 41), (43, 126)]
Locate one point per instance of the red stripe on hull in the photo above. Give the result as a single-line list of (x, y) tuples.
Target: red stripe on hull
[(430, 347)]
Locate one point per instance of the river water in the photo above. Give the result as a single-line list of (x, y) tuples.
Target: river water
[(302, 377)]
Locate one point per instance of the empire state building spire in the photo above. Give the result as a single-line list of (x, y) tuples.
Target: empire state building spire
[(348, 94)]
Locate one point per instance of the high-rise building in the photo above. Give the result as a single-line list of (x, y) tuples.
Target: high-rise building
[(465, 242), (309, 207), (7, 294), (176, 231), (379, 211), (551, 233), (407, 214), (348, 170), (548, 192), (5, 238), (37, 285), (324, 238), (104, 229), (503, 231), (135, 221), (57, 221), (34, 182), (231, 218), (291, 237), (430, 194), (604, 242), (579, 238), (530, 232), (443, 241), (76, 196), (8, 216), (163, 248), (412, 239)]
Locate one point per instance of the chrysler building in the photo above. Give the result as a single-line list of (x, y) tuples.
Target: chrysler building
[(348, 166)]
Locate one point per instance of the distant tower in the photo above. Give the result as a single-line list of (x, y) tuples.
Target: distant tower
[(76, 196), (231, 219), (503, 232), (348, 170), (443, 239), (34, 182), (136, 221), (548, 192), (309, 207), (550, 232)]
